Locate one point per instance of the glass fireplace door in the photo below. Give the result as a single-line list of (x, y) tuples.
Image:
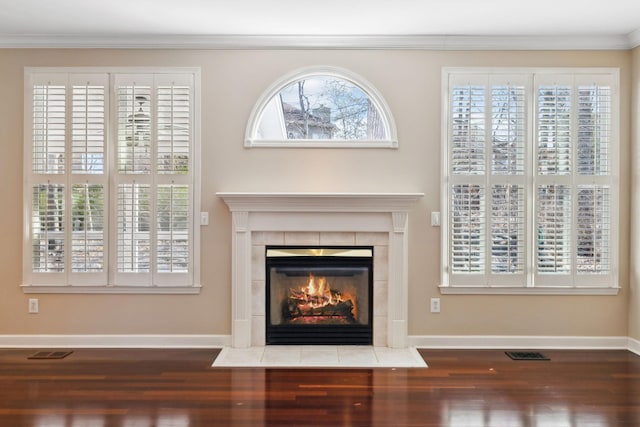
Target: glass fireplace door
[(319, 295)]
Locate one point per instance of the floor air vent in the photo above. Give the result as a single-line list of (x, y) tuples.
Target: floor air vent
[(526, 355), (50, 355)]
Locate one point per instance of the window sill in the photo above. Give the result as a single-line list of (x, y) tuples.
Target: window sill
[(517, 290), (150, 290), (321, 143)]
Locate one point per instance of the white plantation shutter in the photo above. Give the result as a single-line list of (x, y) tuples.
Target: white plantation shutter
[(574, 202), (154, 214), (47, 183), (553, 205), (555, 112), (468, 229), (88, 228), (134, 179), (487, 163), (594, 182), (594, 130), (174, 128), (531, 196), (88, 127), (88, 179), (468, 180), (508, 151), (67, 179), (48, 225), (49, 125), (468, 136), (134, 228), (172, 245), (109, 180), (134, 105), (593, 219), (508, 224), (554, 129), (174, 190), (508, 127)]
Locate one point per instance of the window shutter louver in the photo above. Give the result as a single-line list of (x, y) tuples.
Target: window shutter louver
[(88, 244), (594, 130), (468, 130), (593, 230), (134, 128), (173, 228), (49, 128), (554, 229), (508, 129), (174, 129), (88, 128), (554, 130), (134, 229), (508, 221), (468, 229), (48, 224)]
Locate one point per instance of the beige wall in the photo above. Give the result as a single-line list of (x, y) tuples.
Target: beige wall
[(232, 81)]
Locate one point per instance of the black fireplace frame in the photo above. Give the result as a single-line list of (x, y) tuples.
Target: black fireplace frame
[(355, 334)]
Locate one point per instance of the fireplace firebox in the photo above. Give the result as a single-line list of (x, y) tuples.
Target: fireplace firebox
[(319, 295)]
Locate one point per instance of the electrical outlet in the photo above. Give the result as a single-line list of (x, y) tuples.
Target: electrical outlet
[(435, 305), (34, 305)]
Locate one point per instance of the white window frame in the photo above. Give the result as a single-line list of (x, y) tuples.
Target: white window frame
[(110, 281), (269, 105), (530, 282)]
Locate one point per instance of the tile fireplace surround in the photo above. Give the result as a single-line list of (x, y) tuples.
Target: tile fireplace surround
[(376, 219)]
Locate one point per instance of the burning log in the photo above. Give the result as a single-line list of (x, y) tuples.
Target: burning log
[(341, 309), (317, 299)]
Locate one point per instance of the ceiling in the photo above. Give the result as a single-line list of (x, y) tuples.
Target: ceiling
[(384, 23)]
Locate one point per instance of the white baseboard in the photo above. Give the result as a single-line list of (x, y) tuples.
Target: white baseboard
[(114, 341), (418, 341), (634, 346), (518, 342)]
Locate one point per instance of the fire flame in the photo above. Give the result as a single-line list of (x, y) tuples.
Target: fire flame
[(318, 293)]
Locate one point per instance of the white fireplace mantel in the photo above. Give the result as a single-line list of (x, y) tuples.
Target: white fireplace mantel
[(320, 212), (320, 202)]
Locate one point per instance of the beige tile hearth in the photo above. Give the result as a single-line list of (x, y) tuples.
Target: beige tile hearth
[(321, 356)]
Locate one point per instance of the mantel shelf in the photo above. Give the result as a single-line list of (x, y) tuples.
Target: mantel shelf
[(319, 202)]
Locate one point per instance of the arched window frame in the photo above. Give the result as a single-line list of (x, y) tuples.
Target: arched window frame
[(251, 135)]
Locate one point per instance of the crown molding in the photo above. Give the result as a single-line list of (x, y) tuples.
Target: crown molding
[(634, 38), (404, 42)]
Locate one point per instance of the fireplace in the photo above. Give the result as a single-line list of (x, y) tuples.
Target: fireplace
[(262, 219), (319, 295)]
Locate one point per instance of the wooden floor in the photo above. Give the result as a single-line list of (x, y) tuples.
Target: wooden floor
[(179, 388)]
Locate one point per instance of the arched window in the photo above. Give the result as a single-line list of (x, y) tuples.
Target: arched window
[(321, 107)]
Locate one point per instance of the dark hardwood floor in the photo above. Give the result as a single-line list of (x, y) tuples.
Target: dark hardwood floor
[(178, 388)]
